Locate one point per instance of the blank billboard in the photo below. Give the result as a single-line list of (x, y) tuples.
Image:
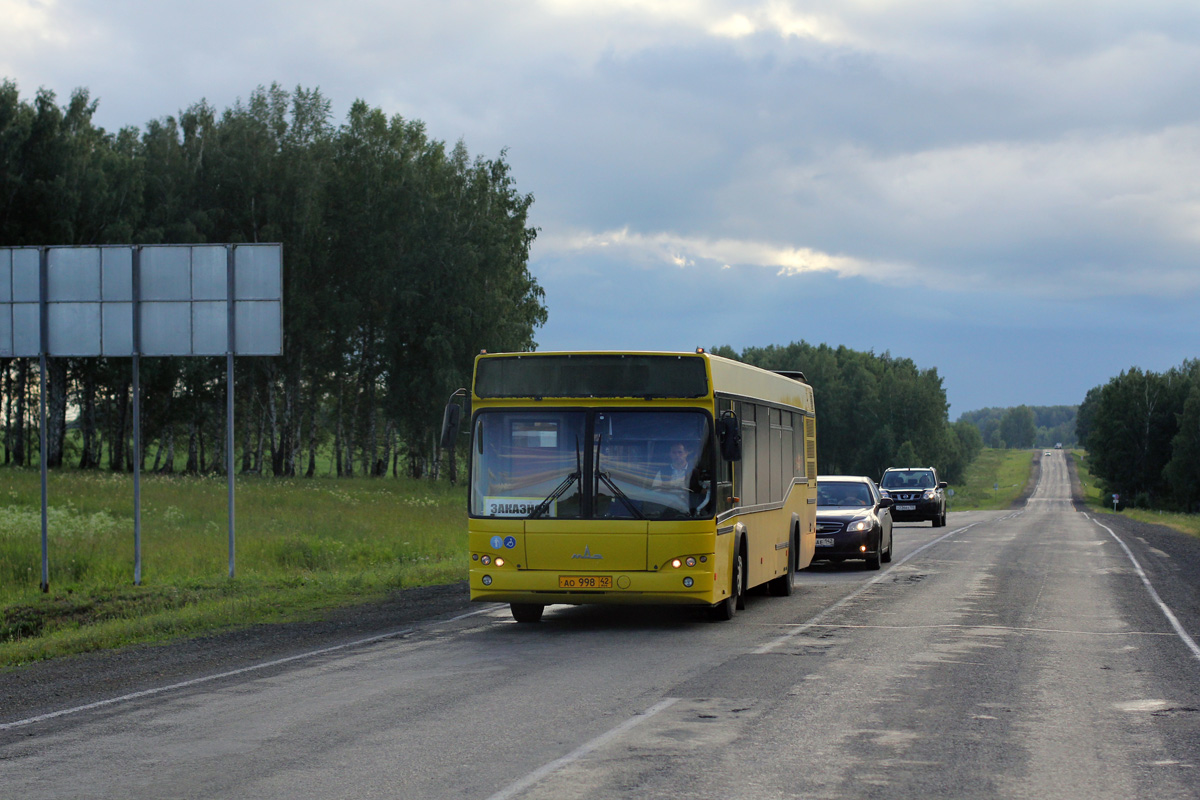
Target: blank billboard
[(181, 298)]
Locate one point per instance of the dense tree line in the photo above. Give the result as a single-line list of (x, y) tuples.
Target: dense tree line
[(402, 259), (873, 411), (1142, 433), (1025, 426)]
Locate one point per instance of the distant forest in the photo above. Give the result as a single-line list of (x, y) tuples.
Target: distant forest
[(873, 411), (402, 258), (1025, 426)]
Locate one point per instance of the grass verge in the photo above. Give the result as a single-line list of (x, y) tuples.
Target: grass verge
[(994, 480), (1185, 523), (302, 546)]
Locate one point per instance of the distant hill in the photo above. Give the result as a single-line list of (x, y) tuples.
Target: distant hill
[(1053, 424)]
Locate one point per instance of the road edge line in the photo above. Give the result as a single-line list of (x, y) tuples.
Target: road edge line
[(5, 726), (1170, 615)]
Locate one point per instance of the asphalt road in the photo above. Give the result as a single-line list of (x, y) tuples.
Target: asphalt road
[(1010, 654)]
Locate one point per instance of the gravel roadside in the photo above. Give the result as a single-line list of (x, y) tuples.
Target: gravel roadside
[(48, 686)]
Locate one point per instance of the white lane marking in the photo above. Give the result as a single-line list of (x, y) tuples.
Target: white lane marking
[(581, 751), (1134, 706), (812, 623), (4, 726), (1183, 635)]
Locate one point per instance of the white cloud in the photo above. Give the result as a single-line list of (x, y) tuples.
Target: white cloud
[(1028, 217), (28, 26), (782, 19), (656, 249)]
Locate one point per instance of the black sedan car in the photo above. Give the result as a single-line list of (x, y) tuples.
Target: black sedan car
[(853, 520), (917, 493)]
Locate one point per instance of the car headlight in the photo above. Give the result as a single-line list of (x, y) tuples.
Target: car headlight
[(859, 525)]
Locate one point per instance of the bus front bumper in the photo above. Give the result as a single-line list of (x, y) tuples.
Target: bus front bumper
[(662, 587)]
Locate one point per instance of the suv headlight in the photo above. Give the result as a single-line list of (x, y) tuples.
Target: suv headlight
[(930, 494)]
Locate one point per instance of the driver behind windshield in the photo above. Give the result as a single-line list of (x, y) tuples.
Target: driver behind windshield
[(850, 494)]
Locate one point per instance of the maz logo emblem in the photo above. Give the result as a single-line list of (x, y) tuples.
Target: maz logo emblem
[(587, 553)]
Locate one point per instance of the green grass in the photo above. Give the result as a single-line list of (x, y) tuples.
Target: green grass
[(1007, 468), (302, 546), (1186, 523)]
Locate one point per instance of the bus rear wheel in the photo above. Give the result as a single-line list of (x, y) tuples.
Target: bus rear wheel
[(527, 612)]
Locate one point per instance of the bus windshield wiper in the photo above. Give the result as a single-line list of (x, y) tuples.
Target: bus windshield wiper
[(541, 508), (616, 490)]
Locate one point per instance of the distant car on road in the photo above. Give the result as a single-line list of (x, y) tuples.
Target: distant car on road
[(854, 520), (917, 493)]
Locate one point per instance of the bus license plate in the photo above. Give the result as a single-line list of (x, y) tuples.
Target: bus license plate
[(585, 581)]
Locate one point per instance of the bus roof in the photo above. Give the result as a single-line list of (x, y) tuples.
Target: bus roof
[(648, 375)]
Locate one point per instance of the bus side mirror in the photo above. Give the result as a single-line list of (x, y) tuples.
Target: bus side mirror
[(451, 419), (729, 434)]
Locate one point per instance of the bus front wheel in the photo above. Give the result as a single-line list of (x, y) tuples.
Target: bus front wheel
[(725, 609), (782, 586), (527, 612)]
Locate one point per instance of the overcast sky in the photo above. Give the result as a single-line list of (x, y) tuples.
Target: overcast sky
[(1006, 191)]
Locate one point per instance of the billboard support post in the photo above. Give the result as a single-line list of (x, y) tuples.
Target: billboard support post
[(231, 327), (43, 346), (136, 271)]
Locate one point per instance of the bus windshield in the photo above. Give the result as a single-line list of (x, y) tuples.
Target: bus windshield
[(601, 464)]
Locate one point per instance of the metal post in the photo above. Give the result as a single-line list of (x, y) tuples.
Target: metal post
[(229, 349), (137, 417), (43, 345)]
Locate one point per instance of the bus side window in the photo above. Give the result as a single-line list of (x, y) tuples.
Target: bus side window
[(746, 486)]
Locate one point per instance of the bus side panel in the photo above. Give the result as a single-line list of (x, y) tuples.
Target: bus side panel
[(768, 534), (768, 546), (808, 525)]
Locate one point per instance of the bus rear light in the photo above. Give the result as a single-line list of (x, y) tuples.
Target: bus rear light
[(487, 580), (688, 582), (677, 563), (485, 560), (499, 561)]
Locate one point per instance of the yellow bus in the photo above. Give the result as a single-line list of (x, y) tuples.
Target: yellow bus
[(645, 478)]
